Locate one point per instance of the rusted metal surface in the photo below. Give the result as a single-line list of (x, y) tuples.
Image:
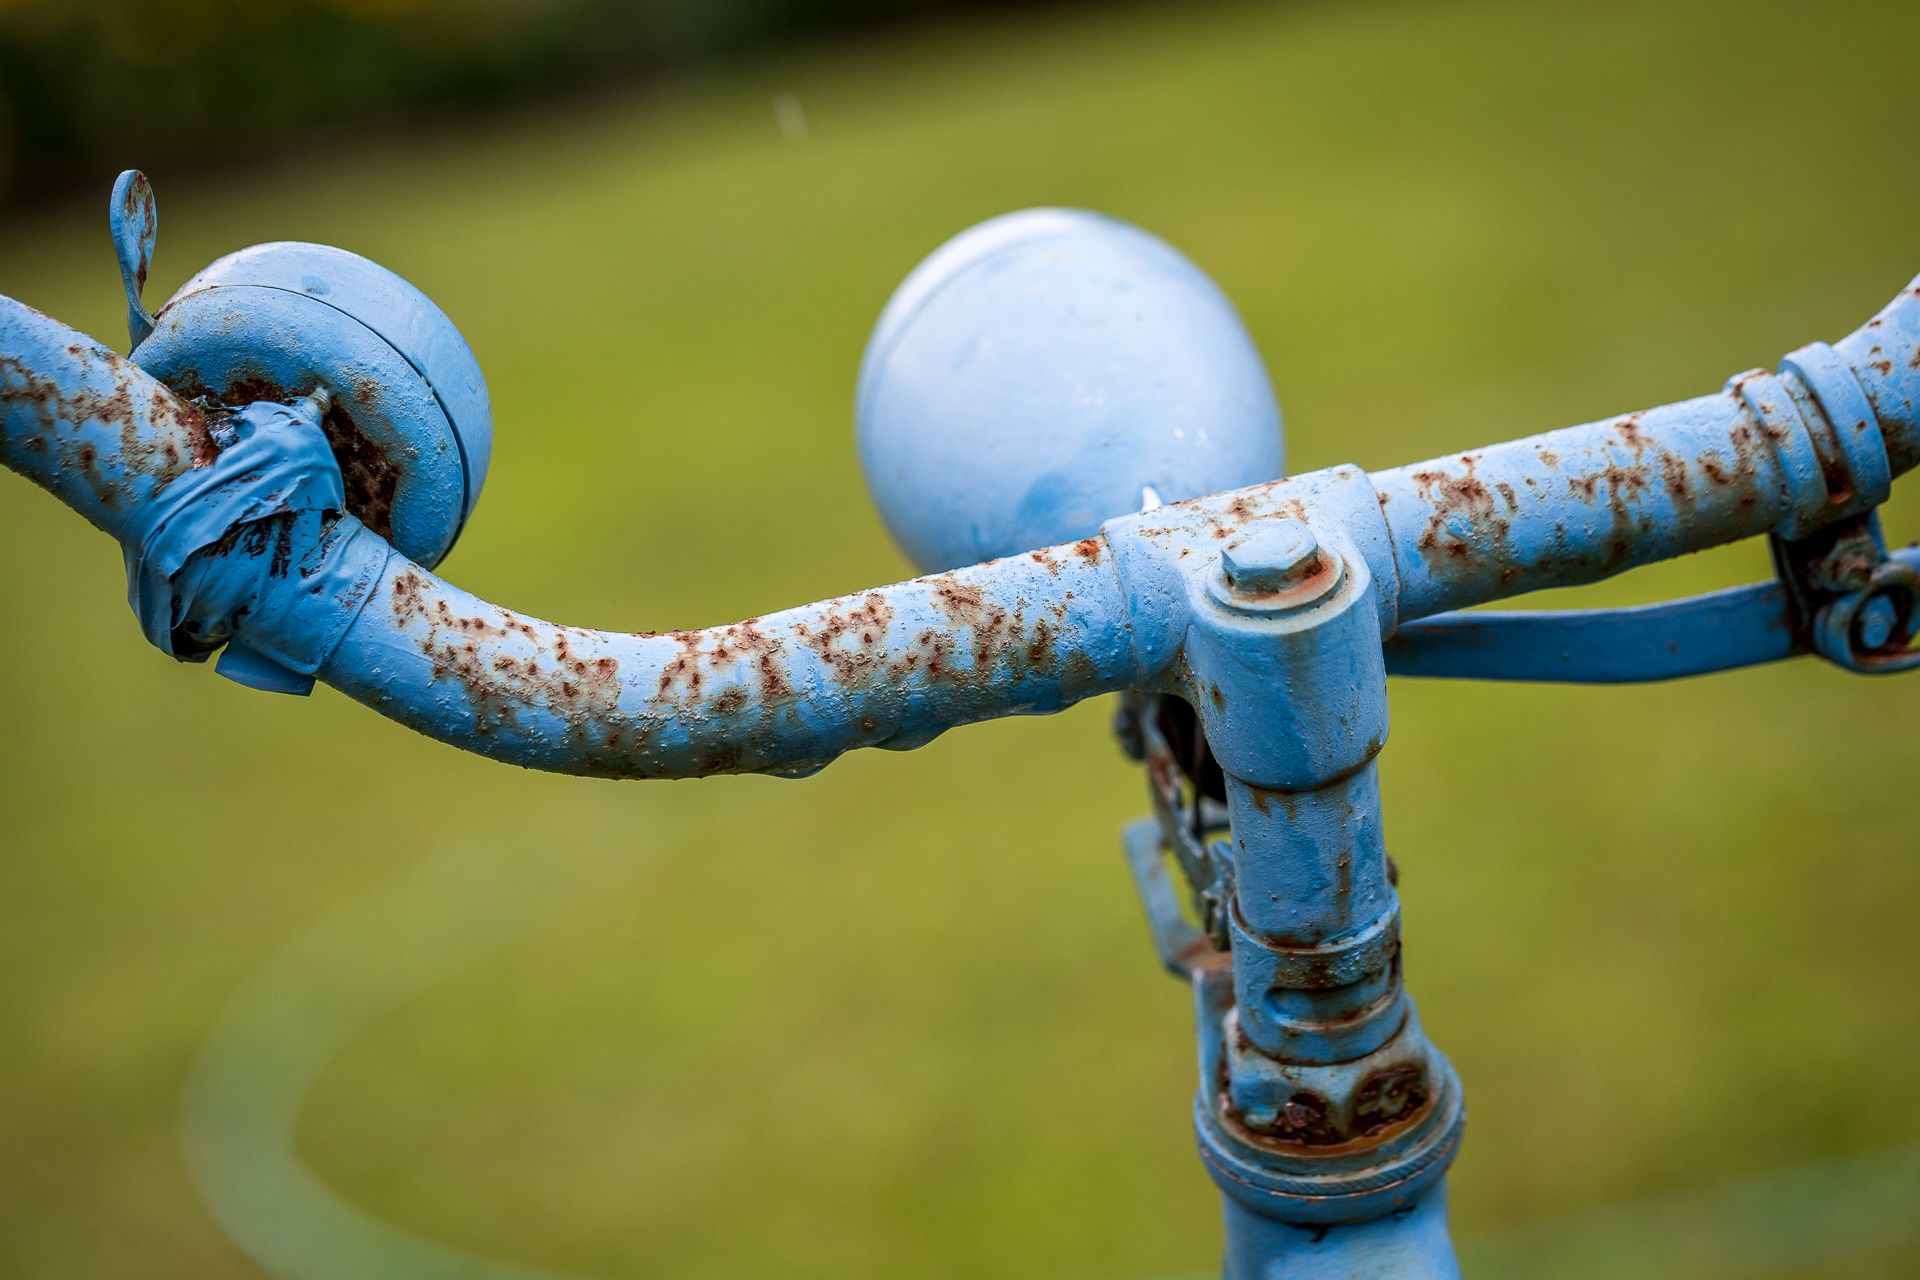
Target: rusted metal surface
[(230, 542), (369, 472), (377, 300), (411, 423), (1581, 504), (398, 455), (134, 220), (89, 426), (786, 693), (1792, 453)]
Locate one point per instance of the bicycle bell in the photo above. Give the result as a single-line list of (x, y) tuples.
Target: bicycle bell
[(410, 423)]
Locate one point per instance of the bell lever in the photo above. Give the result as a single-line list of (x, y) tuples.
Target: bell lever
[(135, 222)]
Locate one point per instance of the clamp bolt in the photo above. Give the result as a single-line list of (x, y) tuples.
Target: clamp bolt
[(1878, 618), (1274, 556)]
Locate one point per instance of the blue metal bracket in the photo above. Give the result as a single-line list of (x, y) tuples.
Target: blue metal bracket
[(1718, 631)]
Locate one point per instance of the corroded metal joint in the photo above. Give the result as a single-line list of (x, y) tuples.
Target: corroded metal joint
[(1320, 1099), (1846, 431), (1287, 678), (1828, 439), (1320, 1144), (1354, 957), (1867, 630), (1775, 410), (1331, 1003)]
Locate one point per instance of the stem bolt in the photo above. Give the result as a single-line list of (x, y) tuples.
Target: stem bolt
[(1275, 555)]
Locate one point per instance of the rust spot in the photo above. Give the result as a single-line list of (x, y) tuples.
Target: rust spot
[(1674, 472), (1622, 487), (1040, 648), (1628, 429), (1044, 558), (986, 635), (370, 477), (1388, 1095), (1388, 1102), (579, 687), (1466, 498), (764, 652), (863, 625), (149, 216), (162, 440), (1303, 1121), (960, 600)]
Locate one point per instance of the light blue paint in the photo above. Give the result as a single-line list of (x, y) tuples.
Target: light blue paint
[(1039, 373), (403, 317)]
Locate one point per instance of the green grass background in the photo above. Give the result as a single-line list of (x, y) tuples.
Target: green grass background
[(902, 1018)]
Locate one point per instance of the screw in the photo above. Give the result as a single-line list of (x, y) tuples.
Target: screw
[(1271, 558), (1878, 617)]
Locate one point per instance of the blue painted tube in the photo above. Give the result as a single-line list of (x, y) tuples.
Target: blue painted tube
[(1580, 504), (891, 667), (88, 426), (1584, 503), (788, 692), (1335, 874), (1029, 634), (1409, 1245)]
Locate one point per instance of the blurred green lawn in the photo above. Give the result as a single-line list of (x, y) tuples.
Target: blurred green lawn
[(903, 1018)]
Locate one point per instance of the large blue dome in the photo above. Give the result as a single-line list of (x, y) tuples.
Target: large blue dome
[(1046, 371)]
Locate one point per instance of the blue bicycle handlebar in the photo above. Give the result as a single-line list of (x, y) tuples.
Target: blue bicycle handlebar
[(1029, 634), (1276, 611)]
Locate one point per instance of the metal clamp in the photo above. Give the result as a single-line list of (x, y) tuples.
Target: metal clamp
[(1859, 447), (1868, 630), (1339, 963)]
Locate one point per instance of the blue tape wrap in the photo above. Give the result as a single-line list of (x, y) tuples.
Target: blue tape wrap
[(234, 541)]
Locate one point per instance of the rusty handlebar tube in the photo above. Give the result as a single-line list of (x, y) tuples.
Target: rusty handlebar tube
[(1262, 621)]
